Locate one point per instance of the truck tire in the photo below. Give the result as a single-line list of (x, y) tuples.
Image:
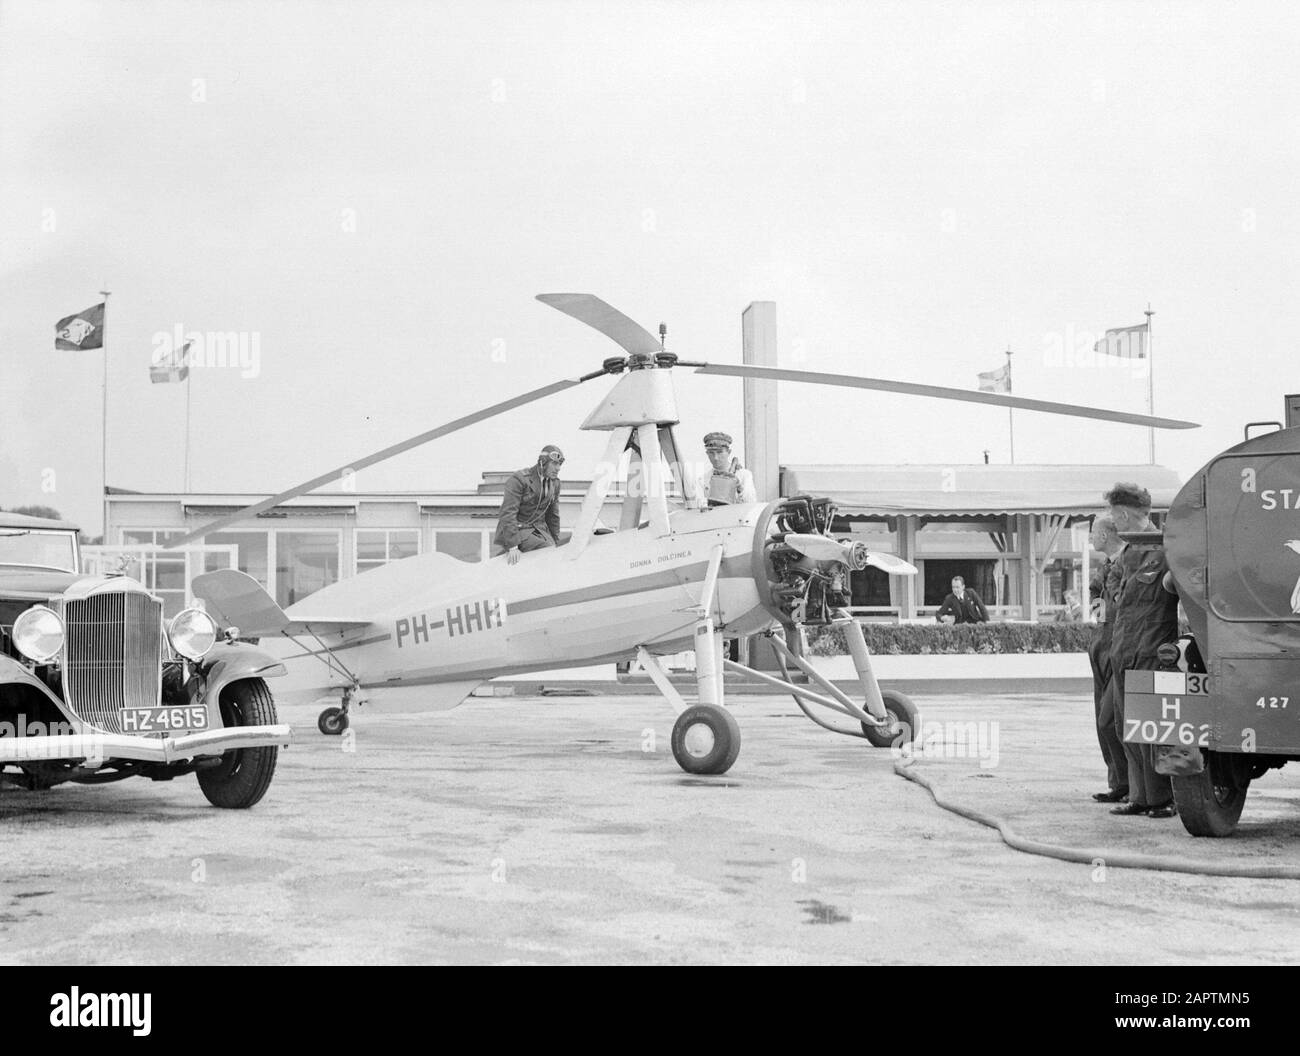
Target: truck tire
[(244, 774), (1210, 802)]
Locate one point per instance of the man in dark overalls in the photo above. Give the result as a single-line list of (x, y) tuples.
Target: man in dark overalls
[(1146, 617), (530, 509), (1104, 588)]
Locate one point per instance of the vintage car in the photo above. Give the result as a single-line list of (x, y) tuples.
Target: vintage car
[(95, 686)]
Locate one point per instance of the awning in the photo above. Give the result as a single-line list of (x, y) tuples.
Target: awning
[(954, 491)]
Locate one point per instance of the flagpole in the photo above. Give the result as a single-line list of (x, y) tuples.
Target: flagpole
[(103, 419), (188, 375), (1151, 385), (1011, 420)]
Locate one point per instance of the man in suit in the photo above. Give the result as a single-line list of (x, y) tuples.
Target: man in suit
[(1104, 588), (530, 509), (962, 605)]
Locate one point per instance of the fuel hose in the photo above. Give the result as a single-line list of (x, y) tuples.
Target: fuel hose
[(908, 770)]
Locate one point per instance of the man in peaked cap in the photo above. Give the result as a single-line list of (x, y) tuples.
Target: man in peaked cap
[(1146, 617), (726, 482)]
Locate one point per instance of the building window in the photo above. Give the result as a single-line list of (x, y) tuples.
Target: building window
[(305, 562), (869, 588), (161, 571), (977, 573), (1060, 577), (252, 553), (464, 546), (379, 546)]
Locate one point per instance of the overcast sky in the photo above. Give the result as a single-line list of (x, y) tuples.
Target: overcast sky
[(374, 192)]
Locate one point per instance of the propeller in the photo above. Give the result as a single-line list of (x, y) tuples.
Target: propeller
[(644, 349), (853, 554)]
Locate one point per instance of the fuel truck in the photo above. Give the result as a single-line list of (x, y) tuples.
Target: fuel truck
[(1226, 709)]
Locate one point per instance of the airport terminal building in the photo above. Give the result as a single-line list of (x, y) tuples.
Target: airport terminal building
[(1016, 534)]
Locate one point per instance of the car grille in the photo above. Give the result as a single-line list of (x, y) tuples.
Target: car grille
[(112, 657)]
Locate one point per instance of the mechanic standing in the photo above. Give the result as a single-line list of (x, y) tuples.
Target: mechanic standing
[(1104, 587), (1146, 617), (530, 510)]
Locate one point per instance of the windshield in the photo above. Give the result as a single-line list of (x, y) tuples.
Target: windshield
[(32, 546)]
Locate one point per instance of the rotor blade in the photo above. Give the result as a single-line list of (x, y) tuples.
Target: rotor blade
[(628, 334), (908, 388), (378, 456)]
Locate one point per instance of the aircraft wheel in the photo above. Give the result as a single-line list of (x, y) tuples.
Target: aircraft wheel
[(1210, 802), (706, 739), (332, 721), (244, 774), (906, 721)]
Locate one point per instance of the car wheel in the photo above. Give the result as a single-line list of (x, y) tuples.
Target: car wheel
[(906, 723), (244, 774)]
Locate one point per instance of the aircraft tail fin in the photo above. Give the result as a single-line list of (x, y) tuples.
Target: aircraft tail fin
[(236, 599)]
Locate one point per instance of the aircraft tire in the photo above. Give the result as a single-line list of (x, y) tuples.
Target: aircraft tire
[(244, 774), (706, 739), (332, 721), (908, 721)]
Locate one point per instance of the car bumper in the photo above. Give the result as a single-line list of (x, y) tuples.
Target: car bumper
[(104, 746)]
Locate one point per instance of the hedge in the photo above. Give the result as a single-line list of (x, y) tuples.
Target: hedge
[(890, 638)]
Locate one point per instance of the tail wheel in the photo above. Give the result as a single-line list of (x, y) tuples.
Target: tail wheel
[(1210, 802), (332, 721), (706, 739), (905, 721), (244, 774)]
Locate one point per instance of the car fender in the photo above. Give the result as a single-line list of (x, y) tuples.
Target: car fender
[(229, 662), (14, 673)]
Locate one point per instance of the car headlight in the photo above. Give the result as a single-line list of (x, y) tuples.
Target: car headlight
[(192, 633), (38, 634)]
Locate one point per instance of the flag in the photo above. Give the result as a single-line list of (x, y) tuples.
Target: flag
[(1128, 342), (175, 366), (82, 330), (996, 380)]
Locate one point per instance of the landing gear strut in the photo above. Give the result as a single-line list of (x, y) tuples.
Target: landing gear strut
[(706, 737)]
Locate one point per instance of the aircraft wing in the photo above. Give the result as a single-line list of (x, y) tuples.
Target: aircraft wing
[(236, 599)]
